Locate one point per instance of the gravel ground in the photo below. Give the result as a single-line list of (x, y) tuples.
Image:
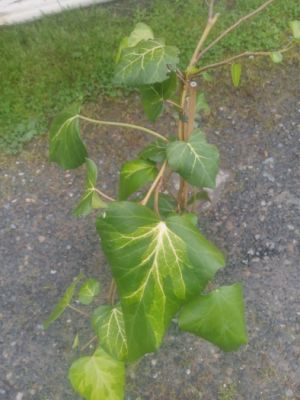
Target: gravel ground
[(254, 218)]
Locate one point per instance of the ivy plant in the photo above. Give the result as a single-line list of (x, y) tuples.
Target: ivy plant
[(161, 263)]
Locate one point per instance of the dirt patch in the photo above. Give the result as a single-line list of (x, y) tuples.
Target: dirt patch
[(255, 220)]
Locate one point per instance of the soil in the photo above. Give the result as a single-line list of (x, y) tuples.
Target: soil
[(254, 218)]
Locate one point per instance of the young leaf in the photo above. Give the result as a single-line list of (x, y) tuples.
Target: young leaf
[(75, 342), (63, 303), (155, 151), (146, 63), (153, 96), (134, 175), (236, 71), (196, 160), (108, 324), (98, 377), (89, 289), (157, 265), (66, 146), (200, 196), (201, 103), (276, 57), (90, 198), (217, 317), (295, 26)]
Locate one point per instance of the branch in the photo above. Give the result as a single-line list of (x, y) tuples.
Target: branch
[(154, 184), (124, 125), (245, 54), (210, 23), (105, 196), (234, 26)]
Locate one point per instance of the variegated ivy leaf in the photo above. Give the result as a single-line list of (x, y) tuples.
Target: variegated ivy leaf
[(66, 146), (148, 62), (63, 303), (89, 289), (108, 324), (140, 32), (98, 377), (90, 198), (218, 317), (154, 96), (157, 266), (156, 151), (195, 160), (134, 175)]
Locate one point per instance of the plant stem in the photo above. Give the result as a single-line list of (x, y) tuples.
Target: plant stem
[(105, 196), (124, 125), (88, 343), (112, 292), (245, 54), (154, 184), (234, 26), (78, 311), (210, 24)]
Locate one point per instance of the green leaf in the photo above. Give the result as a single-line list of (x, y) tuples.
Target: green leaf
[(108, 324), (196, 160), (146, 63), (63, 303), (98, 377), (75, 342), (154, 96), (90, 198), (89, 289), (155, 151), (276, 57), (201, 103), (200, 196), (134, 175), (217, 317), (157, 265), (140, 32), (66, 146), (166, 204), (295, 26), (236, 72)]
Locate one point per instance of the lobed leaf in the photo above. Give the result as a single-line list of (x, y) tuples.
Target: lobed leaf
[(217, 317), (66, 146), (134, 175), (195, 160), (146, 63), (98, 377), (157, 266), (63, 303), (89, 289), (140, 32), (108, 324), (154, 96), (90, 198)]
